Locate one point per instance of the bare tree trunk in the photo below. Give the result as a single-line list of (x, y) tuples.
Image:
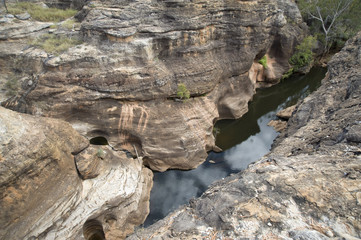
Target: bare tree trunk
[(7, 11), (329, 20)]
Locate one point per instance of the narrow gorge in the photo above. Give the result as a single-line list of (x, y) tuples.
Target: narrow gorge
[(82, 129)]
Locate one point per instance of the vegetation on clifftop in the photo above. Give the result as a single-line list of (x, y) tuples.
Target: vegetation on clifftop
[(40, 13), (331, 24), (331, 21)]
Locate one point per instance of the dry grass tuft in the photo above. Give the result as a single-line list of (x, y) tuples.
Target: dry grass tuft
[(55, 44), (40, 13)]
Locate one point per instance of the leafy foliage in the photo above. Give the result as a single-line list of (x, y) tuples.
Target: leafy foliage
[(183, 92), (288, 73), (55, 44), (40, 13), (303, 55), (332, 21), (263, 61)]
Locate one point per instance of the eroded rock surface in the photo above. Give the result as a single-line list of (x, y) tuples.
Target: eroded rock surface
[(42, 195), (308, 187), (120, 83)]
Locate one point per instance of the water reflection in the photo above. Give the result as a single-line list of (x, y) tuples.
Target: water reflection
[(243, 140), (175, 188), (241, 155)]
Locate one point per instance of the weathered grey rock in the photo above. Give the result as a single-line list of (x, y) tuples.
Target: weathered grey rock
[(354, 133), (23, 16), (4, 20), (42, 195), (120, 84), (308, 187), (17, 30)]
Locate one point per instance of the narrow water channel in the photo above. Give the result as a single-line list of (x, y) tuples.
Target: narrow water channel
[(243, 141)]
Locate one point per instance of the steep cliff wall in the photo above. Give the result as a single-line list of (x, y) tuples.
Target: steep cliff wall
[(121, 82), (308, 187), (55, 186)]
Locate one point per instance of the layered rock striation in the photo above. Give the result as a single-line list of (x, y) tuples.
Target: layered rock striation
[(54, 185), (121, 82), (307, 187)]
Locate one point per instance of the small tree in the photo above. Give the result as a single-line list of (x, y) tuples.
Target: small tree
[(183, 92), (326, 12)]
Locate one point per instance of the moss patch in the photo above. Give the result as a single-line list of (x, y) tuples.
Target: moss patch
[(263, 62)]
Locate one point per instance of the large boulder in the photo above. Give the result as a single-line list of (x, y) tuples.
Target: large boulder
[(47, 193)]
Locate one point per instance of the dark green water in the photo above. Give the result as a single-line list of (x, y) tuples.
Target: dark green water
[(243, 140)]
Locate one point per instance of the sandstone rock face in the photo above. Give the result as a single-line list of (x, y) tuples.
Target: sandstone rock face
[(122, 81), (308, 187), (286, 113), (42, 195), (278, 125)]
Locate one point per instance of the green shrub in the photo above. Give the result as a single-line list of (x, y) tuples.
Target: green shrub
[(55, 44), (263, 61), (39, 13), (183, 92), (288, 73), (303, 55)]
